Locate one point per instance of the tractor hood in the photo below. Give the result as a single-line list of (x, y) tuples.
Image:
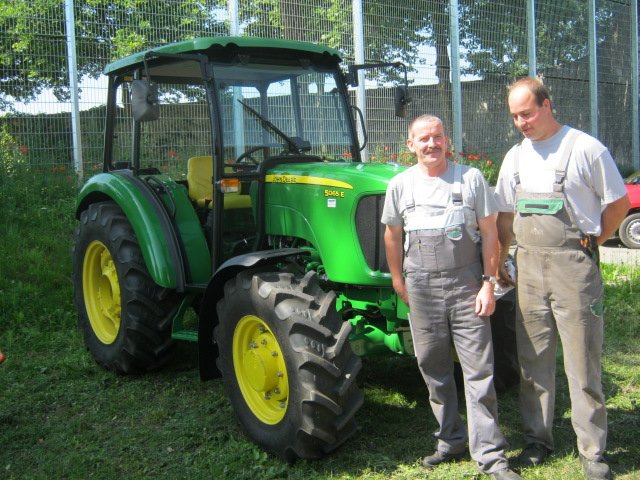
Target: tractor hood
[(346, 178), (336, 207)]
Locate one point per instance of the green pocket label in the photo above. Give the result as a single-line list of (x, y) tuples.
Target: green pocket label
[(544, 206)]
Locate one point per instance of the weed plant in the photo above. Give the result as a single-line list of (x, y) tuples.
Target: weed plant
[(63, 417)]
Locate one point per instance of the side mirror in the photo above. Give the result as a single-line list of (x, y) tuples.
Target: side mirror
[(401, 100), (144, 101)]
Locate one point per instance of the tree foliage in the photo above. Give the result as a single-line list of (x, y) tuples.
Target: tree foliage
[(33, 43), (493, 33)]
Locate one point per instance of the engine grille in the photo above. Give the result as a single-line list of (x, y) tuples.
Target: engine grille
[(371, 232)]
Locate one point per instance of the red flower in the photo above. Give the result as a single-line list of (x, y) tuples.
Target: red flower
[(473, 157), (23, 149), (489, 162)]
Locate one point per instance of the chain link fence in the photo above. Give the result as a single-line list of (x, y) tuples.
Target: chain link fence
[(570, 43)]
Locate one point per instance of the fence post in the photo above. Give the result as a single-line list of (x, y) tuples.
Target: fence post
[(358, 47), (635, 94), (73, 85), (233, 11), (531, 38), (456, 91), (593, 69)]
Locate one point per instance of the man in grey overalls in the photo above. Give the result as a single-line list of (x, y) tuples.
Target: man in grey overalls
[(561, 194), (445, 274)]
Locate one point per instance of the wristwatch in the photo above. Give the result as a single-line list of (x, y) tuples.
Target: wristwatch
[(489, 278)]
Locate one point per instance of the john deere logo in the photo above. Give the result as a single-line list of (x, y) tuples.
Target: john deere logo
[(307, 180)]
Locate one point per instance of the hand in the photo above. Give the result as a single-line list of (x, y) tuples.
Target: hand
[(401, 289), (503, 277), (485, 300)]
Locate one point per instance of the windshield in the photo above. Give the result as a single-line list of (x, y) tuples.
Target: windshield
[(271, 110)]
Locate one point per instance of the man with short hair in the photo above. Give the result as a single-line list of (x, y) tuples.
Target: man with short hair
[(444, 272), (560, 193)]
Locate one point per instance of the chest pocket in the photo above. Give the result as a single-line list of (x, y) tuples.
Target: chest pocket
[(546, 219)]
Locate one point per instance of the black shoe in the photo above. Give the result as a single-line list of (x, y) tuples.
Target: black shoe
[(440, 457), (505, 474), (533, 454), (595, 470)]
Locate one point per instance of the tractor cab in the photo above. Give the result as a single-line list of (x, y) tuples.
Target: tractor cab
[(215, 114)]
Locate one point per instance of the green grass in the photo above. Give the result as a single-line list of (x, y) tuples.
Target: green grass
[(61, 416)]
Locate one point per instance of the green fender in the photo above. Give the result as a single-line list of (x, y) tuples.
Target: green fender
[(173, 245)]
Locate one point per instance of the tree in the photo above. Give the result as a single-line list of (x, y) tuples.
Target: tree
[(494, 35), (33, 42)]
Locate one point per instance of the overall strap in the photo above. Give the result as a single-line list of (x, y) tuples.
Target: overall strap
[(516, 163), (409, 200), (563, 161), (456, 189)]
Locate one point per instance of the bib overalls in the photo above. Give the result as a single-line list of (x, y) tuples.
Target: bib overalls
[(443, 277), (559, 290)]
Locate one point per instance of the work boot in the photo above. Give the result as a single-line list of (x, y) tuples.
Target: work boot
[(440, 457), (506, 474), (533, 454), (595, 469)]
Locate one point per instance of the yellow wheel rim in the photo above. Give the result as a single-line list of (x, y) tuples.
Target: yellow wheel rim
[(260, 369), (101, 290)]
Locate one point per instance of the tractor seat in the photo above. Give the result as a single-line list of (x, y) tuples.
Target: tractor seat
[(199, 175)]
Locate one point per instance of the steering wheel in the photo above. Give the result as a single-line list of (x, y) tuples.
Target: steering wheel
[(246, 157), (245, 161)]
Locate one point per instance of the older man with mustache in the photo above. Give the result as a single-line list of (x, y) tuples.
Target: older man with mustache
[(444, 273)]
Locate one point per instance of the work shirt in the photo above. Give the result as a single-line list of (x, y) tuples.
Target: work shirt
[(434, 194), (592, 182)]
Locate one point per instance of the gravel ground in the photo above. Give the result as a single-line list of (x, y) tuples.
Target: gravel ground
[(614, 252)]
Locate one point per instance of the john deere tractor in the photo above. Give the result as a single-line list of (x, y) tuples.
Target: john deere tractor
[(233, 187)]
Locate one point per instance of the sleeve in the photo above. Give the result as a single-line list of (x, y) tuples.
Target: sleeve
[(505, 187), (485, 204), (391, 213), (607, 181)]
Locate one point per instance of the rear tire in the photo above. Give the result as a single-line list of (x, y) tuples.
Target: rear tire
[(630, 231), (287, 364), (125, 317)]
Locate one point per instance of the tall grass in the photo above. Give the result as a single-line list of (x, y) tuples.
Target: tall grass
[(61, 416)]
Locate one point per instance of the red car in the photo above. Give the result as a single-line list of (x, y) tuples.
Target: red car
[(629, 231)]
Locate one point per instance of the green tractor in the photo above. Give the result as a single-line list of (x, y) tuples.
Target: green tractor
[(233, 187)]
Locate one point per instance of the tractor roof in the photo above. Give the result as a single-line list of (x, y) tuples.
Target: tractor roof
[(204, 44)]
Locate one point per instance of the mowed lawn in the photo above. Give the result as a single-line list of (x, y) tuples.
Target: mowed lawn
[(63, 417)]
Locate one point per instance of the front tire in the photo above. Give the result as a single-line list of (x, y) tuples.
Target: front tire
[(125, 317), (630, 231), (286, 362)]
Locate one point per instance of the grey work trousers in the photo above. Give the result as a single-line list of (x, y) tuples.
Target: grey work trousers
[(442, 307), (560, 293)]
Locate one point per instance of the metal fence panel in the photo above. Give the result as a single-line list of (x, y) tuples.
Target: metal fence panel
[(35, 126)]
